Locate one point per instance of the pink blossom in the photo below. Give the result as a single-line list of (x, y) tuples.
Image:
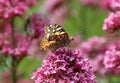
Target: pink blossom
[(115, 5), (106, 4), (98, 65), (64, 66), (51, 5), (22, 46), (5, 37), (57, 10), (11, 8), (94, 49), (112, 60), (112, 22), (20, 49), (37, 25), (58, 16), (92, 46)]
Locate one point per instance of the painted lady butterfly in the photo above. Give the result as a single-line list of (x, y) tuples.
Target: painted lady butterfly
[(55, 37)]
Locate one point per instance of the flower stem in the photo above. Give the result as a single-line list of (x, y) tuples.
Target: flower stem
[(14, 60), (13, 36), (14, 73)]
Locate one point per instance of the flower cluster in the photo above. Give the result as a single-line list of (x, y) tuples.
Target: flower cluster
[(110, 5), (37, 25), (12, 8), (94, 49), (115, 5), (112, 22), (64, 66), (106, 4), (20, 47), (112, 60), (111, 57), (17, 44), (57, 10), (53, 4), (92, 46)]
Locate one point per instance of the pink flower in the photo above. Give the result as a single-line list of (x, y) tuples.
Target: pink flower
[(57, 10), (22, 46), (112, 22), (106, 4), (58, 16), (51, 5), (37, 25), (64, 66), (112, 60), (94, 49), (17, 51), (98, 65), (115, 5), (11, 8), (5, 36), (92, 46), (111, 5)]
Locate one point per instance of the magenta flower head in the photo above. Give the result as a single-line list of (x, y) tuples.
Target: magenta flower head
[(94, 49), (11, 8), (112, 60), (112, 22), (115, 5), (106, 4), (92, 46), (64, 66), (20, 49), (51, 5), (59, 15), (57, 10), (37, 25)]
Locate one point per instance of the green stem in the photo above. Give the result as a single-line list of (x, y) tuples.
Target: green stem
[(14, 71), (14, 60)]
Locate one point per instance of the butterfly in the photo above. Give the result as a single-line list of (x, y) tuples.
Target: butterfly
[(54, 38)]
